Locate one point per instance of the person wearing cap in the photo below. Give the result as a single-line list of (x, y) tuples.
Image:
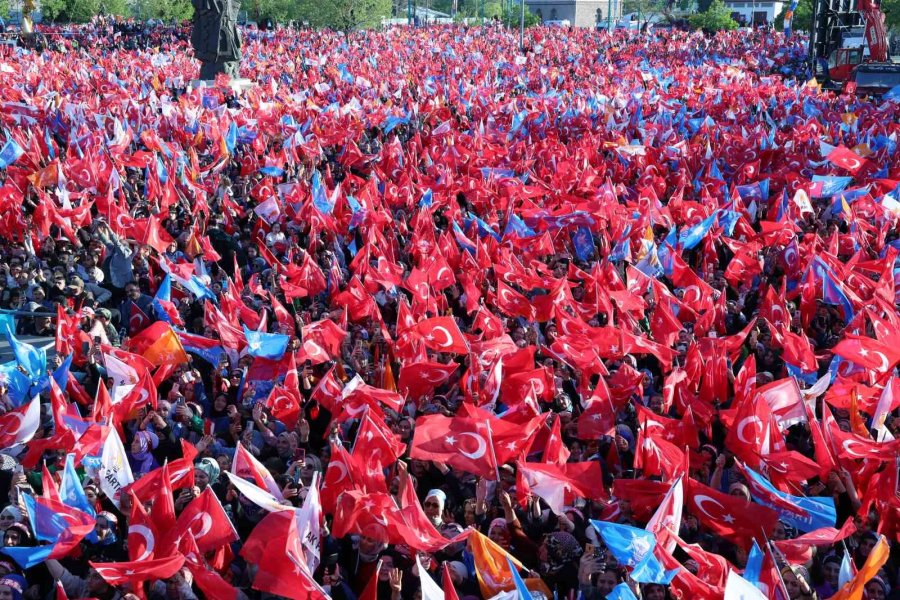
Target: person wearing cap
[(12, 587), (77, 295), (104, 318)]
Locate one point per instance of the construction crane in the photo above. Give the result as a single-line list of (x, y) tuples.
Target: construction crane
[(849, 40)]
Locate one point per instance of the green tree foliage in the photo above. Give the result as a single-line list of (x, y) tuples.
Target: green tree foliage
[(343, 14), (716, 18), (53, 9), (4, 8), (802, 16), (279, 11), (167, 10)]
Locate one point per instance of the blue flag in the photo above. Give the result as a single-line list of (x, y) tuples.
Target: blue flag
[(633, 547), (692, 236), (33, 360), (583, 242), (10, 153), (70, 490), (231, 137), (266, 345), (320, 198), (806, 514), (621, 592), (516, 226), (523, 592), (164, 294), (754, 564)]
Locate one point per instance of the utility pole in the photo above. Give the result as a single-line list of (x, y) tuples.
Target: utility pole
[(609, 15), (409, 12), (522, 27)]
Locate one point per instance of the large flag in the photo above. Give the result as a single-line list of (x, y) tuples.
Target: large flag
[(633, 548), (266, 345), (52, 521), (460, 442), (111, 469), (856, 587), (804, 513)]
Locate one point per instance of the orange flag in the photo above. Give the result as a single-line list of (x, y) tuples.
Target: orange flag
[(158, 344), (853, 589), (492, 568)]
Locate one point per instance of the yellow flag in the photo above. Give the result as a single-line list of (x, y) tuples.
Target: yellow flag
[(853, 590)]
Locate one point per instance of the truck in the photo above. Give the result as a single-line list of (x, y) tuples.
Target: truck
[(848, 47)]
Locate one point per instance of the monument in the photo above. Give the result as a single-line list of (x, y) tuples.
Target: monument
[(216, 41)]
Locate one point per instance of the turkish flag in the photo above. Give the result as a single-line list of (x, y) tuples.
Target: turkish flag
[(681, 433), (512, 303), (599, 416), (67, 339), (845, 158), (655, 456), (868, 353), (327, 390), (559, 486), (420, 378), (460, 442), (644, 495), (206, 521), (281, 314), (341, 475), (178, 474), (730, 516), (132, 572), (442, 334), (210, 583), (142, 533), (284, 405)]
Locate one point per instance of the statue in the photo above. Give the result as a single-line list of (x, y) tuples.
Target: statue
[(216, 41)]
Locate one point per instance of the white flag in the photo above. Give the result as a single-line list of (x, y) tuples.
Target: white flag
[(738, 588), (430, 589), (256, 494), (114, 473), (667, 517), (309, 524)]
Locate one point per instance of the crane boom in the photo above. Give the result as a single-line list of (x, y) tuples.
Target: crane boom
[(876, 35)]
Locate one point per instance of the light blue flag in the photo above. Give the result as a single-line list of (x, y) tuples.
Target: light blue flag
[(33, 360), (319, 197), (633, 547), (621, 592), (806, 514), (521, 589), (70, 490), (7, 323), (692, 236), (10, 153), (754, 564), (266, 345)]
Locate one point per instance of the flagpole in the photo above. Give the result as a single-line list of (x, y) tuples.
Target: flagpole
[(493, 453), (769, 549)]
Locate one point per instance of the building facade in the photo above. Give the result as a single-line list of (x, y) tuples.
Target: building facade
[(580, 13), (754, 13)]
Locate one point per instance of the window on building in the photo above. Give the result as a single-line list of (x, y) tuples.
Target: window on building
[(552, 14)]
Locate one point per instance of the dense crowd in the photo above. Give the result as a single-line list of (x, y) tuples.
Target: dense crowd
[(418, 314)]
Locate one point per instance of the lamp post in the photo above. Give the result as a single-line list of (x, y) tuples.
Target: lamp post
[(522, 27), (609, 15), (409, 12)]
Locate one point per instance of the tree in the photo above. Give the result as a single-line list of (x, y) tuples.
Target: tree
[(279, 11), (118, 8), (53, 9), (166, 10), (802, 16), (4, 8), (716, 18), (344, 15), (511, 13)]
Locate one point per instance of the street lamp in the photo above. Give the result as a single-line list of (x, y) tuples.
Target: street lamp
[(522, 27)]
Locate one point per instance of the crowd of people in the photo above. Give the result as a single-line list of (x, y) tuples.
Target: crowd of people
[(419, 314)]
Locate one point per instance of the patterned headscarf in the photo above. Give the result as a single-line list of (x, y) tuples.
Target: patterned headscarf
[(562, 548)]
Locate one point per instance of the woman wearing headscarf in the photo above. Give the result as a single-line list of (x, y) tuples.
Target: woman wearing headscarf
[(797, 583), (141, 456), (105, 541), (9, 515), (559, 562), (206, 473)]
